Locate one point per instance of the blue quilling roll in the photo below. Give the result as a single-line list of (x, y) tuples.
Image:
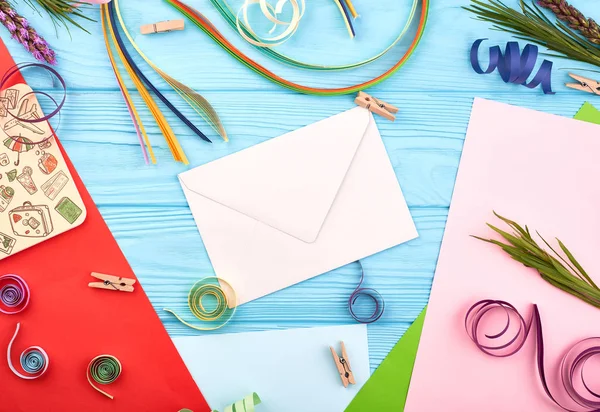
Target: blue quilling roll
[(34, 360)]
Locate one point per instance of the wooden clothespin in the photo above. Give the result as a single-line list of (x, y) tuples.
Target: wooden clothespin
[(584, 84), (343, 366), (163, 26), (376, 106), (112, 282)]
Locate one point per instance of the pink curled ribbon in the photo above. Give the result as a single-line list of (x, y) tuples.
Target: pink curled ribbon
[(14, 294), (511, 338)]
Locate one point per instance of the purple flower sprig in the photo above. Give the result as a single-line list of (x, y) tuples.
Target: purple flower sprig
[(21, 31)]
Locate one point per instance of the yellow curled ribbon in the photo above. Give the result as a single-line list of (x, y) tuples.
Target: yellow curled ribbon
[(224, 306)]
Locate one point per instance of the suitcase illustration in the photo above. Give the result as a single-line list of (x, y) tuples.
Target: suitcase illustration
[(31, 220)]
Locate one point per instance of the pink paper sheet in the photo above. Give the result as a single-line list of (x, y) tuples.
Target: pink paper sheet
[(540, 170)]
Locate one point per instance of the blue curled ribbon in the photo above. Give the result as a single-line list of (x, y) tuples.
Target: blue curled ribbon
[(514, 66), (32, 361)]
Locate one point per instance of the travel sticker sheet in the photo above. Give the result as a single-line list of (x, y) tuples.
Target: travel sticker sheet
[(38, 198)]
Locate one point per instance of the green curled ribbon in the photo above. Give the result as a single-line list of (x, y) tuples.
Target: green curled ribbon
[(104, 370), (245, 405), (224, 306)]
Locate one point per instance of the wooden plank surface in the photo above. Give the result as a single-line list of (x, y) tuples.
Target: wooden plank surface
[(144, 205)]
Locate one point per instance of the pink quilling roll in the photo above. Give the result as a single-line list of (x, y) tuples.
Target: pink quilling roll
[(14, 294)]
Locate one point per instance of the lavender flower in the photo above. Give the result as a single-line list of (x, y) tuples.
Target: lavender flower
[(21, 31)]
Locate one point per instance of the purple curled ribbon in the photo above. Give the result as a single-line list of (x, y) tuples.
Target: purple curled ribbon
[(14, 294), (514, 66), (511, 337)]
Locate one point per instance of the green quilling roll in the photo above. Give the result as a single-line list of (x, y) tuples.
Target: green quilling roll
[(103, 370)]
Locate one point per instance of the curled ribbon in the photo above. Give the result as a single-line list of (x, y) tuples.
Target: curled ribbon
[(103, 370), (224, 307), (14, 294), (368, 293), (245, 405), (16, 69), (514, 66), (34, 360), (510, 339), (270, 12)]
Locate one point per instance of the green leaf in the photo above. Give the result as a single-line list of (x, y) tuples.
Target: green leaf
[(569, 277), (575, 263)]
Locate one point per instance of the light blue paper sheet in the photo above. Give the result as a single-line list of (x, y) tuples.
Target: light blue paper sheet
[(291, 370)]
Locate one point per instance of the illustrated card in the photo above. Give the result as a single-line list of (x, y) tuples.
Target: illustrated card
[(38, 198)]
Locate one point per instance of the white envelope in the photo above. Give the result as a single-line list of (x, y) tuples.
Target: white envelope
[(298, 205)]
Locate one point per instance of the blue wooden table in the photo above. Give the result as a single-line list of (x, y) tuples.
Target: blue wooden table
[(145, 207)]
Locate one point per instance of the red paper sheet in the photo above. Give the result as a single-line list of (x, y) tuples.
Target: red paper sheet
[(75, 323)]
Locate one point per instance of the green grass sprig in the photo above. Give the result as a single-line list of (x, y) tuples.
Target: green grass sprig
[(61, 12), (564, 273)]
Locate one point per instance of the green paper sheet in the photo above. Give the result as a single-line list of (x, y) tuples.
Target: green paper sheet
[(387, 388), (588, 113)]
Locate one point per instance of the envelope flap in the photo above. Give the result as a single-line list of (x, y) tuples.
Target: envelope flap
[(289, 182)]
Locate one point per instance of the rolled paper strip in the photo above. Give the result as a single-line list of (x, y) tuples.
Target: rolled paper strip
[(510, 338), (270, 13), (245, 405), (103, 370), (514, 66), (368, 293), (225, 303), (14, 294), (34, 360)]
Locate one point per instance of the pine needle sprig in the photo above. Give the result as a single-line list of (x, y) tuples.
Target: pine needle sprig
[(564, 273), (62, 12), (574, 18), (532, 25)]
